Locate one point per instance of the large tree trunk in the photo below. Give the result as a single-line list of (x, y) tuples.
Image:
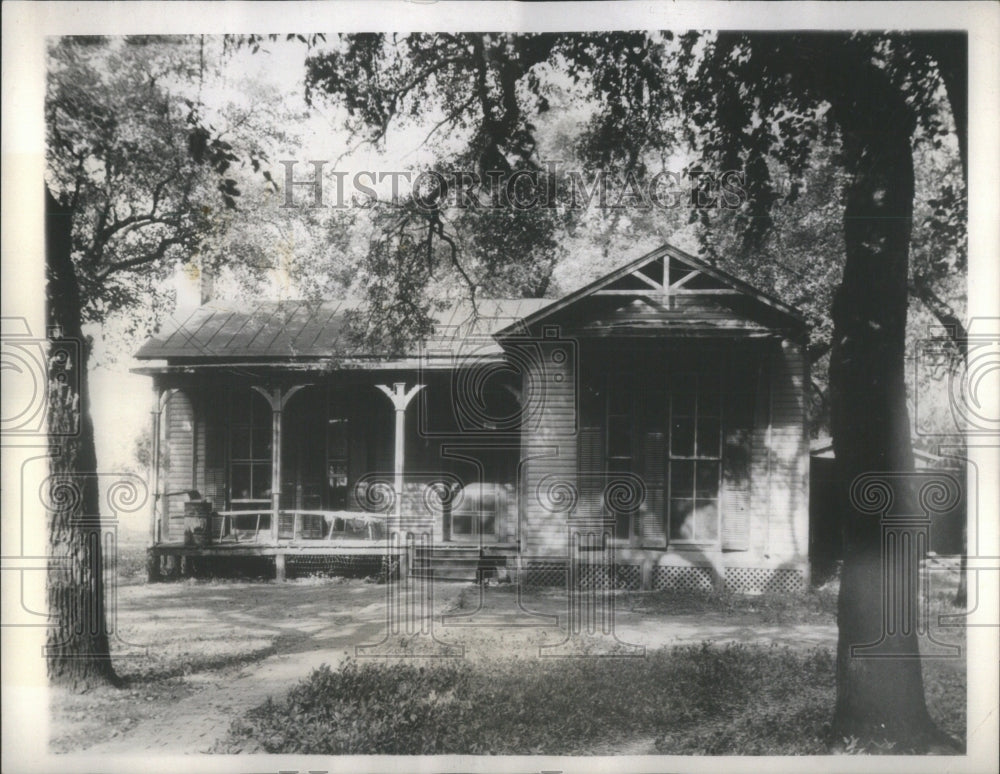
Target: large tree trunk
[(877, 698), (77, 647)]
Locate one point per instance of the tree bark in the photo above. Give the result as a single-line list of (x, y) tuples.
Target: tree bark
[(878, 699), (77, 644)]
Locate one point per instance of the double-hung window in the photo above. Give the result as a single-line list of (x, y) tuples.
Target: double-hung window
[(249, 447), (695, 458)]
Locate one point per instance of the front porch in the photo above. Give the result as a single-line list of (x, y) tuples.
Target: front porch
[(325, 542)]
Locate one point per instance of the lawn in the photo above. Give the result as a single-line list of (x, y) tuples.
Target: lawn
[(715, 700), (208, 665), (697, 699)]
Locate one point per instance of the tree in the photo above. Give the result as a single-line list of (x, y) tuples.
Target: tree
[(135, 179), (748, 100)]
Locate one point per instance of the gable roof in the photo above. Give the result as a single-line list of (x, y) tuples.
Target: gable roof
[(312, 332), (666, 254)]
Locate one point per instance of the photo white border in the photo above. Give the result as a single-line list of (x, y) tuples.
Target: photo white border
[(25, 25)]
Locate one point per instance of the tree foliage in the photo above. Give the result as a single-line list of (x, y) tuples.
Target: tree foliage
[(760, 103)]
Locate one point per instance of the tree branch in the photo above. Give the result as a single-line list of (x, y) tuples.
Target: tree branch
[(151, 257), (943, 313), (458, 265)]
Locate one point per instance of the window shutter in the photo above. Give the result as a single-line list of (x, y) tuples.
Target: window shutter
[(651, 520), (736, 457), (589, 465)]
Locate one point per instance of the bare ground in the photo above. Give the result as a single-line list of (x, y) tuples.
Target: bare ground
[(195, 655)]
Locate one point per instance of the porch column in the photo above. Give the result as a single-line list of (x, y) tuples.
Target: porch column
[(400, 398), (276, 397)]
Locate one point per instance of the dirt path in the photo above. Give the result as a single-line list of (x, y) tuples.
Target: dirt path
[(203, 717), (315, 624), (220, 649)]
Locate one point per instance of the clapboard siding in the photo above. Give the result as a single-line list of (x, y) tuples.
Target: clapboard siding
[(760, 464), (551, 430), (789, 458), (739, 407), (181, 451)]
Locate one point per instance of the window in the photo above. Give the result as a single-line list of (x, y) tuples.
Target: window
[(337, 450), (669, 432), (619, 439), (695, 457), (249, 447)]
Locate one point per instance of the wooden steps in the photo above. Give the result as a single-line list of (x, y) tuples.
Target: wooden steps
[(469, 563)]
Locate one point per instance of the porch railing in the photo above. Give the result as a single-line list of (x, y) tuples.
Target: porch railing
[(296, 525)]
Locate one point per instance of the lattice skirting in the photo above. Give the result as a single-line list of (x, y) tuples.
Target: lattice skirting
[(544, 574), (590, 576), (351, 566), (761, 580), (682, 578), (617, 576)]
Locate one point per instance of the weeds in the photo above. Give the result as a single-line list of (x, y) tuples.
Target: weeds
[(735, 699)]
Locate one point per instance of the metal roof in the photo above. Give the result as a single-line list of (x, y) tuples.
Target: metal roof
[(301, 330), (309, 332)]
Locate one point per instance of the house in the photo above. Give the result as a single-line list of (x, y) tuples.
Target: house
[(656, 416)]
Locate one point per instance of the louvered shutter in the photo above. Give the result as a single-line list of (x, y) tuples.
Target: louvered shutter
[(589, 464), (737, 455), (651, 520)]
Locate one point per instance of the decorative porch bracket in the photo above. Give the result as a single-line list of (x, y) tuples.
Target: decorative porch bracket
[(277, 398), (400, 398)]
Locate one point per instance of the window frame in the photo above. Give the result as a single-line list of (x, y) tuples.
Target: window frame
[(338, 412), (699, 377), (249, 462), (628, 380)]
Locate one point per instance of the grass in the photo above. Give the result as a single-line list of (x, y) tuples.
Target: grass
[(130, 563), (736, 699), (815, 605), (708, 699)]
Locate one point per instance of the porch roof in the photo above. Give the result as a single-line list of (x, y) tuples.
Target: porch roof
[(282, 331)]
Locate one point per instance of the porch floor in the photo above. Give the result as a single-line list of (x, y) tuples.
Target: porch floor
[(445, 561)]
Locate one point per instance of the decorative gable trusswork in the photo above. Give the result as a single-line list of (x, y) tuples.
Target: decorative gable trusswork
[(668, 292)]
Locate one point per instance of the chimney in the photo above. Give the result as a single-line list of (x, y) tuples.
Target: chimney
[(194, 285), (206, 283)]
